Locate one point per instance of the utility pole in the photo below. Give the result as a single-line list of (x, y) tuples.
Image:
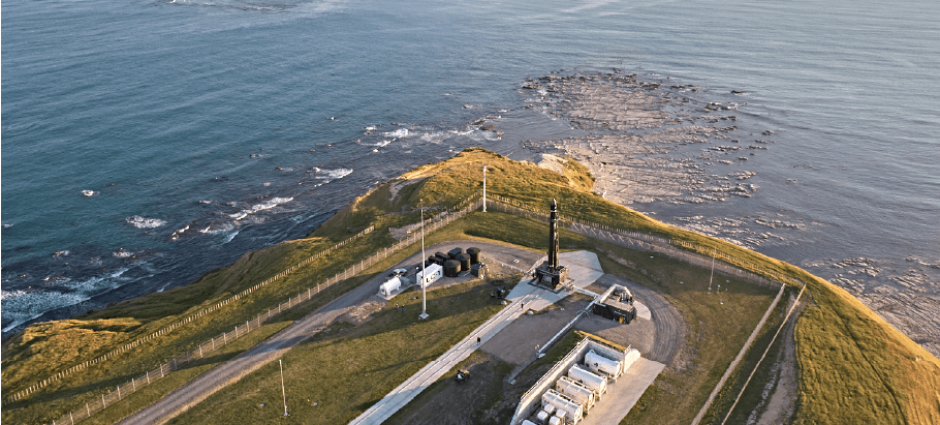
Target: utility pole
[(283, 392), (484, 187), (424, 271), (713, 272)]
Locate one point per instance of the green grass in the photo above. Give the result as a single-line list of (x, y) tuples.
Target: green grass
[(347, 369), (854, 367)]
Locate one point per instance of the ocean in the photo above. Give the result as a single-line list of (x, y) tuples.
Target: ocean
[(145, 143)]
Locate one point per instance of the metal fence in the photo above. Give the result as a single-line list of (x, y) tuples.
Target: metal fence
[(203, 350), (641, 241), (163, 331)]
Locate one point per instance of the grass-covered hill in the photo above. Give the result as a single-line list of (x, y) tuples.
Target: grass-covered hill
[(853, 366)]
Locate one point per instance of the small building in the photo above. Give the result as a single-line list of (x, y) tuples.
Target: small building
[(434, 273)]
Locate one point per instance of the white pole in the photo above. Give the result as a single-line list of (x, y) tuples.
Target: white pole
[(283, 392), (484, 188), (713, 271), (424, 272)]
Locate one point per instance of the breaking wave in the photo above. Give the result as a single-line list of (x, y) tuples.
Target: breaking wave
[(332, 174), (144, 222), (266, 205), (397, 134)]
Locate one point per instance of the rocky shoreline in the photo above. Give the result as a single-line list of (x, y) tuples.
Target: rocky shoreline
[(653, 142)]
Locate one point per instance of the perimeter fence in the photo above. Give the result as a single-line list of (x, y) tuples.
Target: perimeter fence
[(163, 331), (729, 265), (203, 350)]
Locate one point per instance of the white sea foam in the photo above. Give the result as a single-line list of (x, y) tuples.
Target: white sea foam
[(338, 173), (270, 203), (144, 222), (179, 233), (87, 192), (61, 253), (230, 237), (122, 253), (21, 306), (397, 134), (7, 225), (383, 143)]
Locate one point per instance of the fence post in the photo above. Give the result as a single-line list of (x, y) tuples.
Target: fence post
[(119, 392), (148, 377)]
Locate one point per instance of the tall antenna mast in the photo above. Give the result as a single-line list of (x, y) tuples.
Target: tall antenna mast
[(713, 271), (424, 270), (484, 187)]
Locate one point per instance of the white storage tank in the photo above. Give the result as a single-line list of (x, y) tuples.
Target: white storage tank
[(542, 416), (576, 391), (589, 379), (565, 407), (390, 286), (602, 365)]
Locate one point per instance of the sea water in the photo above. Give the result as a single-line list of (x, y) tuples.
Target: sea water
[(147, 142)]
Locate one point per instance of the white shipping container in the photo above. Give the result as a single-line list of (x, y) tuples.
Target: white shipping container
[(434, 273), (589, 379), (632, 356), (602, 365)]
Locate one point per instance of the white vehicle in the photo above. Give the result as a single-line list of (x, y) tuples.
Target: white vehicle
[(398, 273)]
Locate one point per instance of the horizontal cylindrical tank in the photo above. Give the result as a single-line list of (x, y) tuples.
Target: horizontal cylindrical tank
[(601, 364), (454, 253), (464, 261), (390, 286), (565, 407), (576, 391), (474, 254), (589, 379), (451, 268)]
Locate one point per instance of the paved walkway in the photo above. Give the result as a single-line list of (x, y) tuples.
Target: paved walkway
[(429, 374)]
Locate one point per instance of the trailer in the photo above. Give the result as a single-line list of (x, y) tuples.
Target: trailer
[(434, 273), (589, 379), (602, 365), (565, 407), (576, 391)]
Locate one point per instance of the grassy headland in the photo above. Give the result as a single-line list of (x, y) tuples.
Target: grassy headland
[(853, 366)]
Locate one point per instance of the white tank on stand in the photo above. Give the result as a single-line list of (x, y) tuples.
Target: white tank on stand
[(589, 379), (602, 365)]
